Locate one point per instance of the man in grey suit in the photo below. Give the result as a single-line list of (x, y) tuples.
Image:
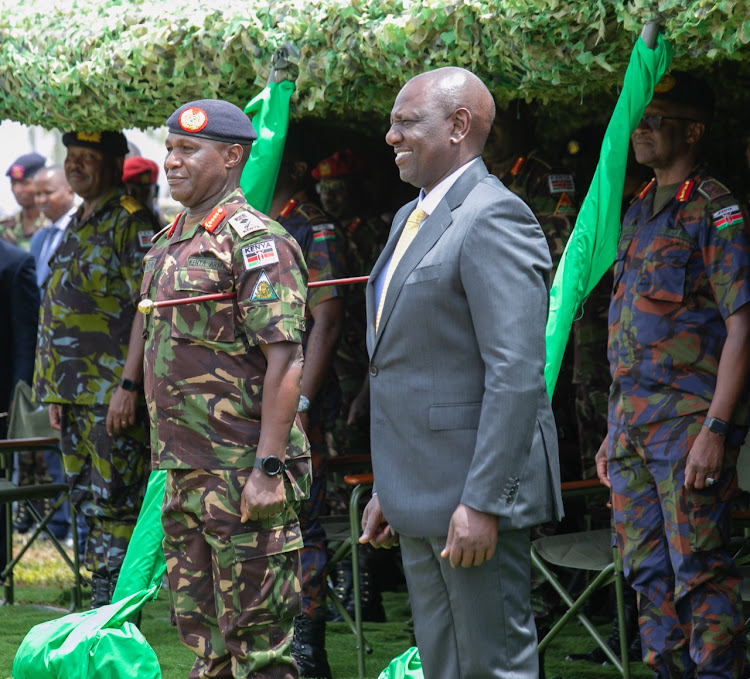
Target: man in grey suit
[(464, 443)]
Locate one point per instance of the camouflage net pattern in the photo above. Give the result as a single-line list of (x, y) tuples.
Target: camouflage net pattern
[(98, 64)]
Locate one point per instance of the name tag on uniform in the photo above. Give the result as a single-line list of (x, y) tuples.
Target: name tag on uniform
[(560, 183), (144, 238), (259, 254), (246, 222), (205, 263)]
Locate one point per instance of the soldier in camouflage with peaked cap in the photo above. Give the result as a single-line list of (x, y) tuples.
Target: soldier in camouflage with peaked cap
[(222, 384), (89, 361), (679, 327)]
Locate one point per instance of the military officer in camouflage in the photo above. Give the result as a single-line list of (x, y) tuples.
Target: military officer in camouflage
[(20, 227), (89, 361), (222, 381), (679, 327)]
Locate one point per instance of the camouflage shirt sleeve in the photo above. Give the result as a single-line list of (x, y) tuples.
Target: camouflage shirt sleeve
[(725, 245)]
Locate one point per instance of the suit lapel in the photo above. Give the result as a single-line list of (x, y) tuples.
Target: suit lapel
[(429, 233)]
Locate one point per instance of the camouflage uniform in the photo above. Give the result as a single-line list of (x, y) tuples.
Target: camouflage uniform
[(550, 193), (321, 248), (86, 317), (364, 238), (679, 273), (204, 388), (11, 229)]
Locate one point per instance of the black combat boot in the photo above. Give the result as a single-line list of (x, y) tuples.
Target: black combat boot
[(343, 585), (101, 589), (309, 648), (372, 602)]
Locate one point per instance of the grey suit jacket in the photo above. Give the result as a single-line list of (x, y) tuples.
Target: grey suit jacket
[(459, 407)]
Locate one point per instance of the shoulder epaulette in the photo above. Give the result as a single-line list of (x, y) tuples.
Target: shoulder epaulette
[(310, 211), (287, 208), (131, 204), (517, 165), (214, 218), (685, 191), (713, 189)]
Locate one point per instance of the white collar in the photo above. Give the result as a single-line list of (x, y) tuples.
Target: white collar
[(430, 201)]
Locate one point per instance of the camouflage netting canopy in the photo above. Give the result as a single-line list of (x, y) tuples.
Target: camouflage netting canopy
[(130, 63)]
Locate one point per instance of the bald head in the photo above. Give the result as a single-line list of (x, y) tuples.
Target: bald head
[(452, 88), (439, 122), (53, 193)]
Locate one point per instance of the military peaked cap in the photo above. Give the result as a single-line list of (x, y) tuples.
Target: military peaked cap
[(685, 88), (212, 119), (109, 142)]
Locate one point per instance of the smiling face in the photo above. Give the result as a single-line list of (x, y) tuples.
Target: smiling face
[(91, 173), (53, 195), (420, 135), (198, 169)]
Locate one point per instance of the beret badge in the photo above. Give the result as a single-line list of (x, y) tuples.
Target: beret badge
[(17, 172), (94, 137), (666, 84), (193, 119)]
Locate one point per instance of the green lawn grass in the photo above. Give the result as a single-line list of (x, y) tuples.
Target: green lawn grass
[(36, 604)]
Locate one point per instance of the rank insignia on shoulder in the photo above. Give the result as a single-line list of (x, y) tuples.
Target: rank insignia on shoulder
[(323, 232), (728, 216), (131, 204), (144, 238), (263, 290), (685, 191), (561, 183), (214, 219), (246, 222), (517, 165), (256, 255)]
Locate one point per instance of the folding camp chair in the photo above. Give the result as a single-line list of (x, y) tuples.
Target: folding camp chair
[(30, 431), (589, 551), (345, 531)]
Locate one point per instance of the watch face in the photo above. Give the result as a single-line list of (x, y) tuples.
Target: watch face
[(272, 465)]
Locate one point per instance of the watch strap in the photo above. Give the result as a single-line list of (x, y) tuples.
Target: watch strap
[(129, 385), (717, 426)]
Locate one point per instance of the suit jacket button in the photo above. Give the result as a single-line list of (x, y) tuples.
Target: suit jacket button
[(373, 370)]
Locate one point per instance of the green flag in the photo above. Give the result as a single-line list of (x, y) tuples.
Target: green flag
[(593, 244), (269, 113), (101, 642)]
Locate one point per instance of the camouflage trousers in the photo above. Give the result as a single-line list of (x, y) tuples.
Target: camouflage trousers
[(235, 587), (107, 476), (314, 555), (673, 543)]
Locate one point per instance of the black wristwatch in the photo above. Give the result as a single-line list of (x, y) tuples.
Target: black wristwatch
[(271, 465), (716, 425), (129, 385)]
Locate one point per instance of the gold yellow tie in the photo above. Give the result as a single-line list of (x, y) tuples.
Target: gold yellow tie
[(407, 236)]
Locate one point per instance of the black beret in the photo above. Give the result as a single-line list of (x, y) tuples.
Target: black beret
[(684, 88), (26, 166), (111, 143), (212, 119)]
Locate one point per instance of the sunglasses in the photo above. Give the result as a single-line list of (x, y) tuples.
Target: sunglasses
[(654, 122)]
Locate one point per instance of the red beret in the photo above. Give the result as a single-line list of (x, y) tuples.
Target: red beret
[(340, 164), (140, 170)]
